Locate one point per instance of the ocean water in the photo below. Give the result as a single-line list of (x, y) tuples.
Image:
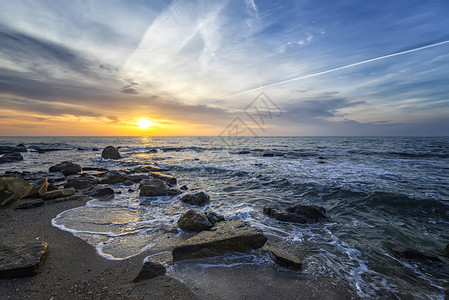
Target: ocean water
[(379, 192)]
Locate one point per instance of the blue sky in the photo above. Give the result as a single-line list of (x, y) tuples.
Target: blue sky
[(97, 67)]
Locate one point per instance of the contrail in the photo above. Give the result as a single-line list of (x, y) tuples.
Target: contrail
[(339, 68)]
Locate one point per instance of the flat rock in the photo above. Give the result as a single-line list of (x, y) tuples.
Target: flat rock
[(66, 167), (409, 253), (198, 199), (227, 236), (168, 178), (150, 270), (283, 258), (157, 187), (214, 218), (23, 260), (28, 203), (148, 168), (58, 193), (12, 189), (76, 196), (10, 157), (101, 190), (194, 221), (110, 152)]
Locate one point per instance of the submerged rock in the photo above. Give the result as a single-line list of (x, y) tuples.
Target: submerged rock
[(23, 260), (184, 188), (10, 157), (157, 187), (168, 178), (244, 152), (101, 190), (409, 253), (12, 189), (58, 193), (446, 251), (110, 152), (66, 167), (283, 258), (227, 236), (297, 213), (150, 270), (198, 199), (194, 221)]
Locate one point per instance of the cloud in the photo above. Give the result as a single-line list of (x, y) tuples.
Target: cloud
[(128, 89)]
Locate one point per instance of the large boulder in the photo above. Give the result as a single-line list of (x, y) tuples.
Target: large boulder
[(198, 199), (409, 253), (297, 213), (168, 178), (110, 152), (150, 270), (12, 189), (101, 190), (10, 157), (194, 221), (112, 177), (66, 167), (22, 260), (227, 236), (58, 193), (157, 187)]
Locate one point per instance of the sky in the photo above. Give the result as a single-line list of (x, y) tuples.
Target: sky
[(223, 68)]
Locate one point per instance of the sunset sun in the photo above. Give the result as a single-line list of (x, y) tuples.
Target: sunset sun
[(145, 123)]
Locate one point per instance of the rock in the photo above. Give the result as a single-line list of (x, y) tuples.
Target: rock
[(227, 236), (112, 177), (81, 183), (297, 213), (244, 152), (76, 196), (214, 218), (446, 251), (58, 193), (148, 168), (95, 149), (152, 151), (28, 203), (9, 149), (283, 258), (409, 253), (268, 155), (198, 199), (83, 148), (157, 187), (194, 221), (22, 261), (137, 178), (10, 157), (101, 190), (150, 270), (172, 149), (110, 152), (12, 189), (184, 188), (67, 168), (168, 178), (95, 169)]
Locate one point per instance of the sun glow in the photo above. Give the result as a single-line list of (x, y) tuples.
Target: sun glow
[(144, 123)]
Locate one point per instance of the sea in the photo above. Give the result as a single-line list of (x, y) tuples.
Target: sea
[(379, 193)]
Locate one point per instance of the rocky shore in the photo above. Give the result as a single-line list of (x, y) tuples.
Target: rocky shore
[(39, 261)]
